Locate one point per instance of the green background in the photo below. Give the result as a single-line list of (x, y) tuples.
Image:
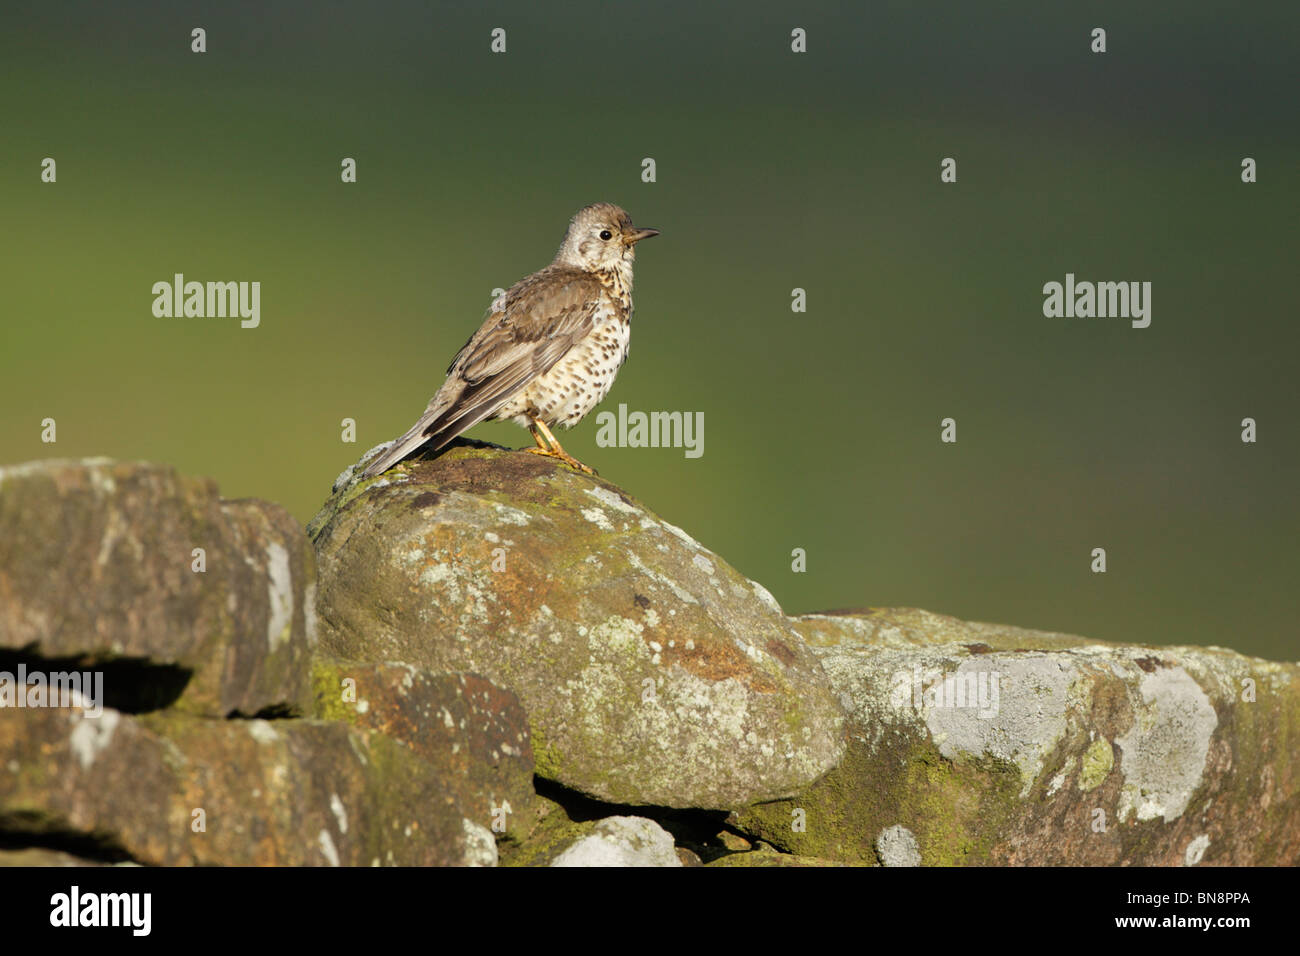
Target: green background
[(775, 170)]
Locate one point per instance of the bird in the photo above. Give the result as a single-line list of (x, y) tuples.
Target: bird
[(549, 349)]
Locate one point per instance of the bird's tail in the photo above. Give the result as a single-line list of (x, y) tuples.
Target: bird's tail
[(441, 423), (403, 446)]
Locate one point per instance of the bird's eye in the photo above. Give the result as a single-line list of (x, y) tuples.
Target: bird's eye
[(606, 235)]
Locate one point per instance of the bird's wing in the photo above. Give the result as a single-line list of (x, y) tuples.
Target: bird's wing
[(542, 318), (545, 315)]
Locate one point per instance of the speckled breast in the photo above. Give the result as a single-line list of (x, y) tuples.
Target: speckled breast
[(580, 381)]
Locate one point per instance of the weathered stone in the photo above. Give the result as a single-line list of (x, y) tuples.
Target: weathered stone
[(764, 859), (621, 841), (733, 842), (36, 856), (896, 846), (97, 564), (549, 828), (653, 673), (688, 857), (990, 751), (471, 732), (910, 627), (560, 840), (177, 790)]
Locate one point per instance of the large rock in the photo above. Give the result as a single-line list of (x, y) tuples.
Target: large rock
[(473, 734), (981, 744), (170, 789), (652, 671), (97, 563)]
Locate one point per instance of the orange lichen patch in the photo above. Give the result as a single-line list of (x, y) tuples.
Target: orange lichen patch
[(716, 659)]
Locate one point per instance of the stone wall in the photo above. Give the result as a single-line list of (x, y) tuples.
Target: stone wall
[(489, 658)]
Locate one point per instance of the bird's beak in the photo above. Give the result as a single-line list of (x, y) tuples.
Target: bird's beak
[(636, 235)]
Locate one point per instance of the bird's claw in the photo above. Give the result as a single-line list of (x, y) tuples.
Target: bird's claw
[(566, 458)]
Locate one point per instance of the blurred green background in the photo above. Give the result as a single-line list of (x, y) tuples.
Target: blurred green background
[(775, 170)]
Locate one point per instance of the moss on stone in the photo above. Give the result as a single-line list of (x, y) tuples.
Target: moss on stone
[(1098, 760), (552, 834), (327, 692)]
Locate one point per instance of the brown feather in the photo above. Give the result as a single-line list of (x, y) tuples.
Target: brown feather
[(543, 317)]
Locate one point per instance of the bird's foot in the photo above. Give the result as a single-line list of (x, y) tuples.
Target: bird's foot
[(565, 457)]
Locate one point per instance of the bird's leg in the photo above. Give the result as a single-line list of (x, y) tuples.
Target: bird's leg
[(548, 445), (542, 448)]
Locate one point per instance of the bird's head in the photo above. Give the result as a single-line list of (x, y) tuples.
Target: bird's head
[(601, 238)]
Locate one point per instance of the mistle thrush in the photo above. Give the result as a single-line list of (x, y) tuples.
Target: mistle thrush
[(548, 351)]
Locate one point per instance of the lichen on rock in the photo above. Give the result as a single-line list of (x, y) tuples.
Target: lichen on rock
[(652, 671), (465, 634), (1003, 748)]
